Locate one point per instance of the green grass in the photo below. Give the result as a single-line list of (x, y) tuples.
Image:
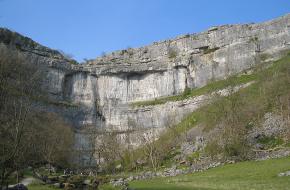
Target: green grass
[(28, 173), (38, 186), (271, 142), (211, 87), (251, 175), (109, 187)]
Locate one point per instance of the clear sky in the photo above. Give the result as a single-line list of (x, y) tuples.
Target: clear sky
[(87, 28)]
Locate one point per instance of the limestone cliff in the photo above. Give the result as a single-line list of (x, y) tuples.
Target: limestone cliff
[(99, 92)]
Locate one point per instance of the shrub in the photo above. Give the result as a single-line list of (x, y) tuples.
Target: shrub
[(172, 53), (186, 93), (77, 180), (195, 156), (212, 148), (270, 142), (253, 39), (208, 51)]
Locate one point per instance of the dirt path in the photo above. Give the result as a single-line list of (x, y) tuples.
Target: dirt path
[(27, 181)]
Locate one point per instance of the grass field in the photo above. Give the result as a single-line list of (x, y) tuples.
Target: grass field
[(38, 186), (251, 175)]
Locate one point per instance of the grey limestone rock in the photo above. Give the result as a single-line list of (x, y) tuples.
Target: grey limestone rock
[(99, 92)]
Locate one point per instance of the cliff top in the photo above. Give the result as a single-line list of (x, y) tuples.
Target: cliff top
[(204, 42), (17, 41)]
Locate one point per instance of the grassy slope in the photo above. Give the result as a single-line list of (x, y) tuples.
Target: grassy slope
[(40, 187), (253, 175), (254, 101), (251, 95), (259, 98), (216, 85)]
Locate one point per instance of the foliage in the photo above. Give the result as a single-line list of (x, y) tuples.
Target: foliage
[(27, 134), (210, 50), (271, 142), (253, 39), (195, 156), (172, 53), (77, 180)]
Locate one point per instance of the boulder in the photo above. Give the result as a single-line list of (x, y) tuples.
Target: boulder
[(287, 173), (87, 182), (57, 185), (119, 166)]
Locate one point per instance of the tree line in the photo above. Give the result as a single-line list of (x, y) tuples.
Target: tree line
[(29, 137)]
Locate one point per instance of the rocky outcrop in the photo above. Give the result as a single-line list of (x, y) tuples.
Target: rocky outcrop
[(99, 92)]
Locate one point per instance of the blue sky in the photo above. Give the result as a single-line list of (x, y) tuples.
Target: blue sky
[(87, 28)]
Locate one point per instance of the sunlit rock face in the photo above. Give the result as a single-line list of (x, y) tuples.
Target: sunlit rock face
[(99, 92)]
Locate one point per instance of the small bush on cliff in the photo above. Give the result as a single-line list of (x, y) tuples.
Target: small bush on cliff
[(208, 51), (172, 53)]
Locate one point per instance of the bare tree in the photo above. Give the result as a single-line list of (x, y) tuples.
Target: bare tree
[(21, 133), (19, 83)]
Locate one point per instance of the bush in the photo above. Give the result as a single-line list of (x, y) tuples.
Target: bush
[(212, 148), (77, 180), (207, 51), (194, 157), (186, 93), (172, 53), (270, 142)]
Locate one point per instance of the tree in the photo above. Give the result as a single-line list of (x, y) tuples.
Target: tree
[(27, 136), (150, 148), (19, 84), (53, 137)]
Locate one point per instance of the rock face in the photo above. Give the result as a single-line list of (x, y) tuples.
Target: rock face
[(99, 92)]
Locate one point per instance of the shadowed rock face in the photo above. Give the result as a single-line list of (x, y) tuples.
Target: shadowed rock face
[(98, 92)]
